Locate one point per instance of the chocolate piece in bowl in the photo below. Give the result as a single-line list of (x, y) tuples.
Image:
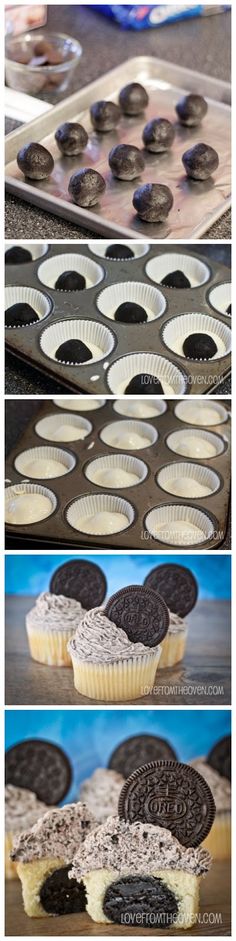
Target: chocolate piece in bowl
[(35, 161), (71, 138)]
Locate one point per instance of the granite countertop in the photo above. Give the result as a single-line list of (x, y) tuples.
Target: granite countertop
[(202, 44)]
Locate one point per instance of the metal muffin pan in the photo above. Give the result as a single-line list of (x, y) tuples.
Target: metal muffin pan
[(142, 497), (196, 205), (94, 378)]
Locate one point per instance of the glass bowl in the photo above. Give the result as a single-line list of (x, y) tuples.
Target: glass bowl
[(27, 72)]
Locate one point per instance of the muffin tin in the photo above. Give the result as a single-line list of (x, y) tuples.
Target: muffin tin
[(196, 205), (124, 347), (138, 501)]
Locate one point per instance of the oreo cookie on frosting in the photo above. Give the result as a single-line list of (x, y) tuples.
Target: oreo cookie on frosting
[(176, 584), (41, 767), (141, 613), (139, 750), (219, 757), (82, 580)]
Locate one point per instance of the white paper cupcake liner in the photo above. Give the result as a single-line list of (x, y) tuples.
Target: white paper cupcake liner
[(64, 427), (173, 380), (37, 249), (198, 438), (118, 462), (163, 524), (98, 338), (33, 490), (79, 404), (59, 455), (119, 429), (220, 297), (99, 248), (143, 408), (121, 681), (16, 294), (201, 413), (184, 471), (89, 505), (152, 300), (178, 328), (49, 270), (195, 270)]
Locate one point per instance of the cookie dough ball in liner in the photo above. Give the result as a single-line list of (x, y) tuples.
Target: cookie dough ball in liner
[(178, 330), (201, 413), (52, 268), (79, 404), (28, 503), (43, 857), (65, 427), (36, 251), (96, 339), (22, 810), (218, 841), (195, 444), (153, 369), (101, 792), (149, 299), (220, 298), (135, 409), (112, 661), (129, 435), (25, 307), (137, 249), (50, 624), (163, 266), (179, 525), (44, 462), (116, 471)]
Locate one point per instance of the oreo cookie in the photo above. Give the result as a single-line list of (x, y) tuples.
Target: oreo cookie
[(139, 750), (41, 767), (130, 312), (135, 900), (176, 279), (73, 352), (82, 580), (220, 757), (141, 613), (172, 795), (176, 584), (62, 896), (118, 252), (199, 346)]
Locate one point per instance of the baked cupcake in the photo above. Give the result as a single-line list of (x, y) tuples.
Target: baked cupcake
[(134, 868), (218, 841), (178, 586), (116, 650), (22, 810), (101, 792), (43, 855)]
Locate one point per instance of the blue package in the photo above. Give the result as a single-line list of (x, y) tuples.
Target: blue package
[(147, 17)]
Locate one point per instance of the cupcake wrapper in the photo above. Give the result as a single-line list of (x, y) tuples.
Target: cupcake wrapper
[(77, 427), (173, 648), (37, 250), (218, 841), (124, 680), (79, 404), (220, 297), (188, 471), (99, 248), (169, 514), (178, 328), (123, 370), (94, 503), (49, 270), (118, 462), (10, 867), (150, 298), (176, 436), (98, 338), (121, 427), (30, 488), (38, 301), (195, 270), (49, 647), (182, 411), (133, 408), (22, 460)]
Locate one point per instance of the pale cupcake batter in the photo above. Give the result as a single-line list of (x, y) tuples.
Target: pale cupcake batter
[(27, 508), (179, 532), (191, 446), (128, 439), (186, 487), (67, 433), (200, 414), (44, 468), (114, 477), (139, 409), (101, 523), (78, 405)]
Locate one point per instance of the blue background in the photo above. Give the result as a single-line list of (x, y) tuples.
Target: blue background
[(30, 574), (90, 735)]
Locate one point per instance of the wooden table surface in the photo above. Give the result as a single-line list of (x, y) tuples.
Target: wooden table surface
[(203, 678), (215, 901)]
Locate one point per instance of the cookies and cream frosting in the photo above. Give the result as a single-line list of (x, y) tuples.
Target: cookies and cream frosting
[(176, 623), (99, 640), (58, 834), (136, 848), (101, 792), (220, 787), (55, 613), (22, 808)]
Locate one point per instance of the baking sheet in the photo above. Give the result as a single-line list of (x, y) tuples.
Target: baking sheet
[(196, 204)]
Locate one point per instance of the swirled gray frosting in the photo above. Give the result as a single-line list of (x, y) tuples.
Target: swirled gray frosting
[(22, 808), (99, 640), (59, 834), (55, 613), (176, 623)]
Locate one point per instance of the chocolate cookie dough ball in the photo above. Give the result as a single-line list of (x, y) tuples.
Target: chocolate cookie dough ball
[(20, 315), (158, 135), (176, 279), (200, 161), (70, 281), (130, 312), (119, 252), (73, 352), (71, 138), (191, 109), (16, 255), (199, 346), (133, 99), (126, 162), (86, 186), (144, 384), (153, 202), (35, 161), (105, 115)]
